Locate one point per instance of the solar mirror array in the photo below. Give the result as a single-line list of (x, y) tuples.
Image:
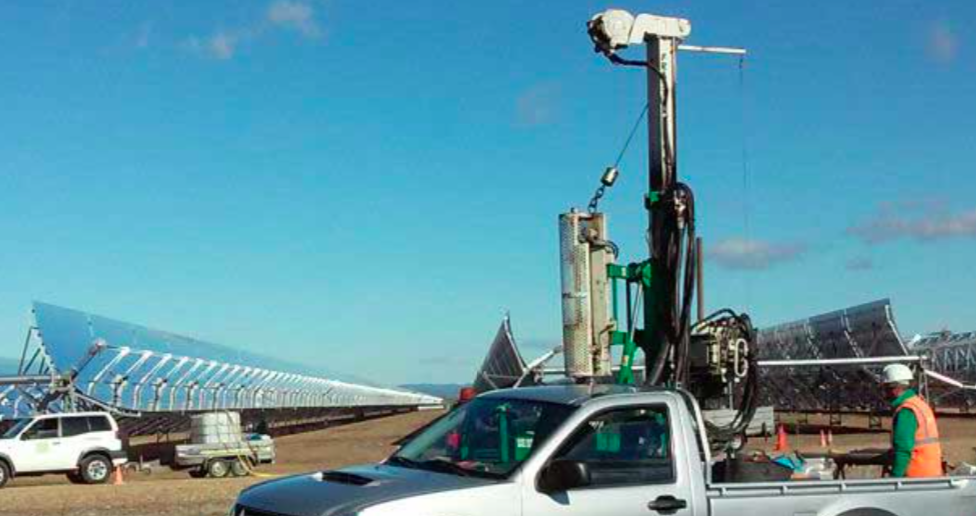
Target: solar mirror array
[(863, 331), (954, 355), (503, 367), (93, 361)]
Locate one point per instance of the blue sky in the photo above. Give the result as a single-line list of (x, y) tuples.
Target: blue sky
[(368, 186)]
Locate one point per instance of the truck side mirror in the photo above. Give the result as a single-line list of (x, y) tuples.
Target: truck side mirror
[(562, 475)]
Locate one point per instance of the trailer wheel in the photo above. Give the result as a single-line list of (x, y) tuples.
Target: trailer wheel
[(218, 468), (238, 468)]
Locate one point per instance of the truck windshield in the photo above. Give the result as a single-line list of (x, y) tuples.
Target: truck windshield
[(16, 429), (485, 438)]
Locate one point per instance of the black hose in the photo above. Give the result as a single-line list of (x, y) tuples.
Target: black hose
[(721, 436)]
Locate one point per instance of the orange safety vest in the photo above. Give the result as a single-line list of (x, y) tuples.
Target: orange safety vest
[(927, 455)]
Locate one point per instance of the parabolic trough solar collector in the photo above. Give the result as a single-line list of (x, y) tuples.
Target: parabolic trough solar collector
[(137, 368)]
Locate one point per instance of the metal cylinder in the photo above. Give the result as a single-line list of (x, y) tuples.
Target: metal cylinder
[(577, 316)]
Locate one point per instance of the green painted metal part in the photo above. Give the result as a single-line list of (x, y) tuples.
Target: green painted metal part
[(641, 274), (503, 454)]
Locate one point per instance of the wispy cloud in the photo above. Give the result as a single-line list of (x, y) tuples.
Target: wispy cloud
[(744, 254), (221, 45), (538, 105), (942, 44), (294, 15), (859, 264), (289, 15), (922, 222)]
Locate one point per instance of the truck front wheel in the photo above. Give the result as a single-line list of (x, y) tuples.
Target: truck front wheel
[(4, 473), (95, 469)]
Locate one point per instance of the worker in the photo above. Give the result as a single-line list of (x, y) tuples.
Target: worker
[(915, 447)]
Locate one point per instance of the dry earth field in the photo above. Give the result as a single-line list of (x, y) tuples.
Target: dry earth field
[(167, 493)]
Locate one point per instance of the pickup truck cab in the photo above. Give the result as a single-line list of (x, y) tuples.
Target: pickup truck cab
[(581, 451), (83, 445)]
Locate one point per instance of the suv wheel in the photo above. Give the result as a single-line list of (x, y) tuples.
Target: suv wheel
[(4, 473), (95, 469)]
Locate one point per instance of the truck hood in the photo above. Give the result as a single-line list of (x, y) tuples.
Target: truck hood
[(344, 492)]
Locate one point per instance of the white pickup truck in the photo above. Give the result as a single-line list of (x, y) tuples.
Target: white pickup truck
[(83, 445), (581, 451)]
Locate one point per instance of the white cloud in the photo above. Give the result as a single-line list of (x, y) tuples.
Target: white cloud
[(924, 223), (942, 45), (744, 254), (281, 14), (294, 15)]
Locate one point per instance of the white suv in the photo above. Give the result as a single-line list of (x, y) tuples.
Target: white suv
[(85, 445)]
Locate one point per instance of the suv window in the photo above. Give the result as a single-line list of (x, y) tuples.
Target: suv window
[(42, 429), (624, 447), (72, 426), (99, 424)]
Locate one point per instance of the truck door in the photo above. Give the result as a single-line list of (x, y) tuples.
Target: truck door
[(39, 447), (629, 455)]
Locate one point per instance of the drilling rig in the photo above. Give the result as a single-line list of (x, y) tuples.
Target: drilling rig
[(646, 306)]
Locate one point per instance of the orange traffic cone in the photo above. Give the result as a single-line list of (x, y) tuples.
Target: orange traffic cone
[(781, 442), (823, 439), (117, 477)]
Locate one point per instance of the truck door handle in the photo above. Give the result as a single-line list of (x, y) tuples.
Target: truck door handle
[(667, 505)]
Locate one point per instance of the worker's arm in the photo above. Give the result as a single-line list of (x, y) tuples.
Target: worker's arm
[(903, 441)]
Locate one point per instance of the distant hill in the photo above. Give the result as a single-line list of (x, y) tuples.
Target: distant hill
[(441, 390)]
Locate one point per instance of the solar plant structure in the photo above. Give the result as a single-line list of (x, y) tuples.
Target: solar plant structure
[(954, 355), (503, 366), (862, 331), (75, 360)]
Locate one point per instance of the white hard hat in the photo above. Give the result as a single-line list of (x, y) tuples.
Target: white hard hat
[(897, 373)]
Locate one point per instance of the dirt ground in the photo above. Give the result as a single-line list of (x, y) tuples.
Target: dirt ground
[(174, 493), (169, 493)]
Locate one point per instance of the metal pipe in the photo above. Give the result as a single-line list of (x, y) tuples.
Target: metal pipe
[(840, 361), (700, 279), (24, 379), (713, 50), (951, 381), (23, 355)]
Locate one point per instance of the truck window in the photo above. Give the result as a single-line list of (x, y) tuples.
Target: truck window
[(485, 437), (72, 426), (42, 429), (624, 446), (99, 424)]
